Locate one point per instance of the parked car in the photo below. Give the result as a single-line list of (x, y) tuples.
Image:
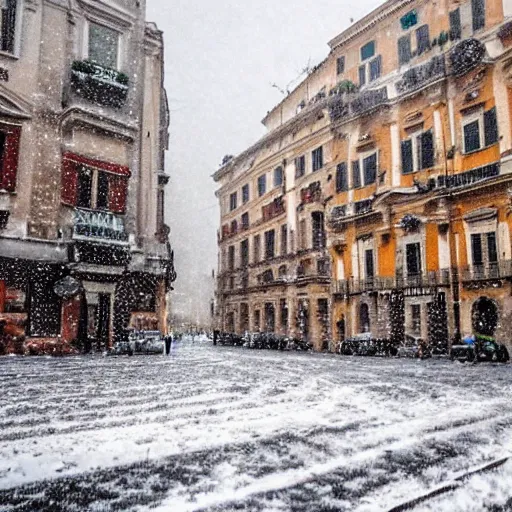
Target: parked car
[(146, 342), (484, 348), (121, 348), (411, 347)]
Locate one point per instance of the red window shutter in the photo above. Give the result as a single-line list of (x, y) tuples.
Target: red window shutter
[(10, 163), (69, 182), (118, 188)]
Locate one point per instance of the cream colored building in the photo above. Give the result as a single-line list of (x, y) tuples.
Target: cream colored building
[(83, 130)]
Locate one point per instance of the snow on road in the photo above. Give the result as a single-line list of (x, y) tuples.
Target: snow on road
[(219, 428)]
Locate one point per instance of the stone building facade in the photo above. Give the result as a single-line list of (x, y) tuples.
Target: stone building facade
[(412, 111), (84, 251)]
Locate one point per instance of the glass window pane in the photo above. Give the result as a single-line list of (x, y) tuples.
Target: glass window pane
[(471, 137), (103, 45)]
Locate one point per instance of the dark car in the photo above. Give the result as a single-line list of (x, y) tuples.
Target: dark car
[(121, 348), (485, 348)]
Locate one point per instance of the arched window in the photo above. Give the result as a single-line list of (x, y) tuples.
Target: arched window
[(364, 318)]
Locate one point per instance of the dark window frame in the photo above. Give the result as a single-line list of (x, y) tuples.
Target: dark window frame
[(317, 158)]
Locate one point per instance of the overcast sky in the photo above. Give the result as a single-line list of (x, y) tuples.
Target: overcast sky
[(222, 57)]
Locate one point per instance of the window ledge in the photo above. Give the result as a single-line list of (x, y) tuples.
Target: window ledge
[(8, 55), (479, 149)]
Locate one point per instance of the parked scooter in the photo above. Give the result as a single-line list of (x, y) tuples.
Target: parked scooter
[(480, 348)]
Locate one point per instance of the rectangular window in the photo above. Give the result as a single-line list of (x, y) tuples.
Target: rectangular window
[(262, 185), (404, 49), (340, 65), (422, 39), (8, 21), (476, 250), (257, 249), (231, 257), (341, 177), (370, 169), (317, 158), (472, 136), (284, 240), (362, 75), (455, 25), (245, 220), (368, 51), (232, 202), (244, 253), (103, 45), (303, 242), (278, 176), (270, 238), (409, 20), (300, 166), (283, 313), (375, 68), (318, 230), (245, 193), (413, 259), (369, 268), (478, 11), (416, 318), (407, 157), (356, 174), (490, 127)]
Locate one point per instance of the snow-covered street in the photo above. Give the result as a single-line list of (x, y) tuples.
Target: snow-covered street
[(220, 428)]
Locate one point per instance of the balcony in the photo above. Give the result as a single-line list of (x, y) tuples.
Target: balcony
[(99, 85), (310, 194), (336, 218), (346, 105), (419, 76), (99, 225), (487, 272), (362, 207), (379, 284), (468, 178), (273, 209)]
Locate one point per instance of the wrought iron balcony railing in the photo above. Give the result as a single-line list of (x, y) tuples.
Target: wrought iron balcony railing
[(99, 225), (471, 177), (380, 283), (487, 272), (418, 76)]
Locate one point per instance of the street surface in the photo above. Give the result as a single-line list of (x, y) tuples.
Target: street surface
[(225, 429)]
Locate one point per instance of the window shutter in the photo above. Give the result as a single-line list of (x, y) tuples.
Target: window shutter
[(427, 150), (404, 49), (407, 162), (476, 249), (69, 182), (375, 68), (370, 169), (492, 249), (341, 177), (356, 174), (10, 163), (490, 127), (118, 188), (362, 75), (423, 39), (455, 25), (478, 10)]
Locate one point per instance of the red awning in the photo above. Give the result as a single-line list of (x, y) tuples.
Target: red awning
[(120, 170)]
